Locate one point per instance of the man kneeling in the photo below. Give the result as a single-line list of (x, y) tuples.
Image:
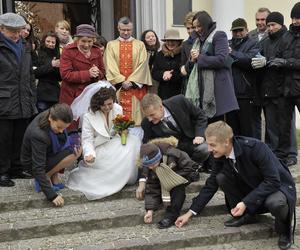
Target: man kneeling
[(252, 178)]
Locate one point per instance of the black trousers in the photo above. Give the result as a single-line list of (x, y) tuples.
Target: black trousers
[(11, 137), (177, 199), (283, 148), (275, 203), (240, 120)]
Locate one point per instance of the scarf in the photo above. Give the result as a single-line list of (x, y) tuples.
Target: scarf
[(59, 144), (170, 53), (168, 180), (207, 79), (16, 47)]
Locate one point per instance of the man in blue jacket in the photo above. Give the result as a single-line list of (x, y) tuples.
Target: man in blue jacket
[(252, 178)]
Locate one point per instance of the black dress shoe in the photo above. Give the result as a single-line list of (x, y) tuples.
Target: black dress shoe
[(284, 242), (239, 221), (5, 181), (20, 175), (291, 162), (165, 223)]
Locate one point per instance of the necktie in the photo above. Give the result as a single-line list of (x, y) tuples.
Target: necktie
[(232, 164), (170, 125)]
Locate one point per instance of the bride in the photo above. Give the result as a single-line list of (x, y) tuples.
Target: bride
[(108, 165)]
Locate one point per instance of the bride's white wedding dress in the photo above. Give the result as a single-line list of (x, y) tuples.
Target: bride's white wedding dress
[(115, 164)]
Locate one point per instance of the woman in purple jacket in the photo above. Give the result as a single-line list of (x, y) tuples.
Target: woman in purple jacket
[(210, 84)]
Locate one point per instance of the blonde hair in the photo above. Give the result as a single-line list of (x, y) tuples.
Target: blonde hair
[(151, 100), (65, 24), (221, 130), (189, 18)]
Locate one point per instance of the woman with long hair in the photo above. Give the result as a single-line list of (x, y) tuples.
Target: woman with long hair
[(47, 72)]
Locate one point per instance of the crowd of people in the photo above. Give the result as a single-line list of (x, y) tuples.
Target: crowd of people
[(196, 106)]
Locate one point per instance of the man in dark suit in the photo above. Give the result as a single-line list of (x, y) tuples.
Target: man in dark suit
[(252, 178), (176, 117)]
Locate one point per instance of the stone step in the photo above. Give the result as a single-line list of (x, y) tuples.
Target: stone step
[(200, 232), (22, 195), (265, 244), (42, 222)]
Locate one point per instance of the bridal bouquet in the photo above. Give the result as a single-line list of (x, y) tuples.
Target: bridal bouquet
[(121, 124)]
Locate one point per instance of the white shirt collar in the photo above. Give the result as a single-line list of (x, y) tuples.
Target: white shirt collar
[(232, 155)]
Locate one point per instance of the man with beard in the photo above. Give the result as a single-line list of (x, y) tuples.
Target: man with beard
[(242, 49), (272, 79)]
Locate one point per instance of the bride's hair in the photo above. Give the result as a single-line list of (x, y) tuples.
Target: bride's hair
[(100, 97)]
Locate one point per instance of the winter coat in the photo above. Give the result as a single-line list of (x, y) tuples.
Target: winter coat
[(184, 167), (165, 62), (259, 168), (272, 77), (74, 71), (290, 50), (218, 61), (243, 75), (48, 87), (17, 89)]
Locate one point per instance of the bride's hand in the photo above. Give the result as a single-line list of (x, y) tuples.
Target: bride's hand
[(89, 159)]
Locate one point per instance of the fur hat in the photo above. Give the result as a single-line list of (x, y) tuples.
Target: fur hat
[(295, 12), (150, 154), (275, 17), (238, 24), (12, 20), (85, 30)]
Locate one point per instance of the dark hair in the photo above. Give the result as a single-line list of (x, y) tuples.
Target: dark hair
[(51, 34), (100, 97), (204, 19), (60, 111), (100, 41), (157, 44)]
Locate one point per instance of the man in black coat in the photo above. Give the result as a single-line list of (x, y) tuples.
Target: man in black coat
[(17, 96), (252, 178), (177, 117), (242, 49)]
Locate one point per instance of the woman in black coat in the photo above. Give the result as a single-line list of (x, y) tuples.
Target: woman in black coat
[(166, 67), (47, 72), (47, 149)]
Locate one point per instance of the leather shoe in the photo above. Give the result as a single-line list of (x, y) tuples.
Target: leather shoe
[(284, 242), (20, 175), (165, 223), (291, 162), (239, 221), (5, 181)]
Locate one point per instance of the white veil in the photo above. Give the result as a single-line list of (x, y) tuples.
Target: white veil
[(81, 103)]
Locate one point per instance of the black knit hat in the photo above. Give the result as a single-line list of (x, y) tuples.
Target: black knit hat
[(238, 24), (275, 17), (150, 154), (295, 13)]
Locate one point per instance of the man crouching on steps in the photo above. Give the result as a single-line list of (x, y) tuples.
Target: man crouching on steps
[(168, 171), (252, 178)]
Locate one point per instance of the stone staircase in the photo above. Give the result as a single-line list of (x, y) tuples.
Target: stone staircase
[(28, 221)]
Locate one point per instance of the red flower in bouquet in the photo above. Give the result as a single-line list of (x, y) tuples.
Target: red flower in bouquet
[(121, 124)]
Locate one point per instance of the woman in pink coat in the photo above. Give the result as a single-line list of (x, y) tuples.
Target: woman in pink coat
[(81, 63)]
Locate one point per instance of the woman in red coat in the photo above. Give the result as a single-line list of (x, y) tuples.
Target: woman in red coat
[(81, 64)]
